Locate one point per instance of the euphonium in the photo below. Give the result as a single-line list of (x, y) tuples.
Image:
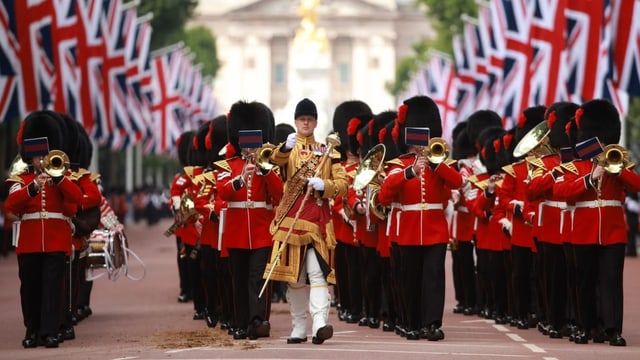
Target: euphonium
[(187, 211), (437, 151), (613, 159), (536, 142), (55, 163), (368, 176)]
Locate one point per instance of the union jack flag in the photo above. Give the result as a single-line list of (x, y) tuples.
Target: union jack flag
[(476, 55), (35, 52), (627, 45), (465, 100), (514, 18), (66, 90), (10, 105), (135, 106), (495, 48), (443, 88)]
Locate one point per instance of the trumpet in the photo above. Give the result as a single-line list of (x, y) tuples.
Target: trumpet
[(613, 159), (260, 156), (55, 163), (437, 151)]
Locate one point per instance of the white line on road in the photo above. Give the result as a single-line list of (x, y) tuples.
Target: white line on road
[(501, 328), (534, 348), (516, 337)]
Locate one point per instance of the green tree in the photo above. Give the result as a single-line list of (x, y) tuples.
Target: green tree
[(203, 45), (446, 18), (169, 19)]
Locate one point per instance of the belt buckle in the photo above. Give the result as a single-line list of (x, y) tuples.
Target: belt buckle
[(423, 206), (44, 214), (599, 203), (249, 204)]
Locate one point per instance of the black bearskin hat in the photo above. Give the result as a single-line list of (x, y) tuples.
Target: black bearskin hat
[(479, 121), (385, 137), (249, 116), (354, 140), (198, 155), (598, 118), (417, 111), (42, 123), (282, 131), (216, 138), (183, 144), (84, 150), (70, 136), (341, 116), (462, 146), (557, 116), (488, 148)]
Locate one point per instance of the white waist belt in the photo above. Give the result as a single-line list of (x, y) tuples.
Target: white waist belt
[(556, 204), (396, 205), (597, 203), (44, 215), (422, 206), (247, 204)]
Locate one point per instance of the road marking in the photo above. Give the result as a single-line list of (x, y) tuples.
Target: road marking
[(534, 348), (126, 358), (516, 337), (549, 358), (306, 349), (479, 320), (501, 328)]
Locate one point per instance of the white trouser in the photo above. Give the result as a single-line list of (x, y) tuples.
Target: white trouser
[(318, 298)]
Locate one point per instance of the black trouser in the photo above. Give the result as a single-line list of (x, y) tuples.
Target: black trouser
[(464, 274), (424, 276), (41, 284), (389, 302), (194, 274), (397, 285), (632, 232), (555, 281), (247, 269), (372, 283), (484, 298), (348, 270), (599, 272), (225, 290), (210, 270), (71, 290), (183, 273), (522, 258), (498, 282), (571, 282)]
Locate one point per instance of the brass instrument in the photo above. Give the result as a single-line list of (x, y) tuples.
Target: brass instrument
[(536, 141), (613, 159), (437, 151), (55, 163), (368, 176), (260, 156), (187, 212), (18, 166)]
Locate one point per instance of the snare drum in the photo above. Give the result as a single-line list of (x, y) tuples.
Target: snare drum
[(105, 249)]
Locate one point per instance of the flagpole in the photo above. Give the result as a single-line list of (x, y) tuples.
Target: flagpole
[(167, 49)]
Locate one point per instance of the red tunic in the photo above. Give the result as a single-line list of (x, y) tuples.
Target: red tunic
[(343, 230), (249, 213), (423, 199), (91, 198), (596, 219), (45, 234), (513, 194)]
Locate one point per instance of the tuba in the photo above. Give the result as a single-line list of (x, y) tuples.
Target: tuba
[(55, 163), (437, 151), (613, 159), (368, 176), (536, 141)]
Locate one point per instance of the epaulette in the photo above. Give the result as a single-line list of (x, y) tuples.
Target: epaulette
[(474, 180), (197, 179), (188, 170), (569, 166), (536, 161), (630, 165), (95, 176), (208, 176), (508, 169), (15, 179), (395, 161), (450, 162), (223, 164), (406, 155)]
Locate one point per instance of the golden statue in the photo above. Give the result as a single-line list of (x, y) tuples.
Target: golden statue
[(308, 35)]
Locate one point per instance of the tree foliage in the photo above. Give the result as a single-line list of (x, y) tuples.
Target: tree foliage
[(169, 19), (203, 45)]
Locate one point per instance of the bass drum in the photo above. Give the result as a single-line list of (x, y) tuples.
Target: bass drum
[(106, 250)]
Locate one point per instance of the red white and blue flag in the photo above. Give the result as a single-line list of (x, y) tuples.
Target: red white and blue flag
[(11, 105)]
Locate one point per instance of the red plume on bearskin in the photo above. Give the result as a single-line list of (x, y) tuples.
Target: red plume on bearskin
[(353, 126)]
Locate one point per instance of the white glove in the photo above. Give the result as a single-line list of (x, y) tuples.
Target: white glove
[(316, 183), (291, 141), (506, 225)]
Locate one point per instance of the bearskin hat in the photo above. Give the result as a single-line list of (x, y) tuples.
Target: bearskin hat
[(197, 153), (354, 126), (249, 116), (557, 117), (282, 131), (417, 111), (216, 138), (598, 118), (70, 136), (462, 146), (341, 116), (488, 148), (84, 150), (385, 136), (480, 120), (41, 123), (508, 144), (183, 144)]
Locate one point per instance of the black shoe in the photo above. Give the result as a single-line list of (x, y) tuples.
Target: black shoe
[(581, 337), (199, 315), (351, 318), (413, 335), (363, 322), (388, 327), (183, 298), (374, 323), (616, 339), (554, 334), (500, 319), (334, 303), (258, 328), (599, 337), (69, 333), (434, 333), (239, 334), (469, 311), (296, 340), (458, 309), (224, 325), (543, 328), (324, 333), (30, 341), (50, 342), (60, 337), (211, 320), (522, 324)]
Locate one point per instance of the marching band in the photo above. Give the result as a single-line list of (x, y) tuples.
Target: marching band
[(533, 217)]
